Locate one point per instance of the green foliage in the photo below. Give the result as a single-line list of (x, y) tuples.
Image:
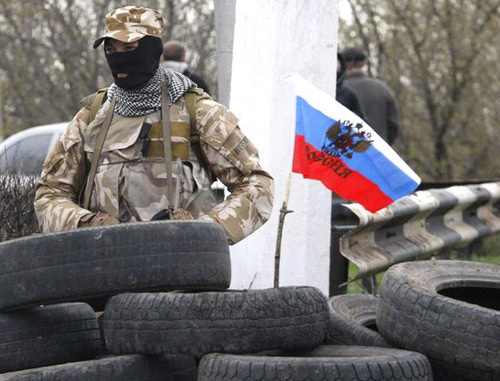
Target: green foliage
[(486, 250), (489, 251)]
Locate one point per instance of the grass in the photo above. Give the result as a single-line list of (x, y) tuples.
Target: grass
[(355, 287), (487, 251)]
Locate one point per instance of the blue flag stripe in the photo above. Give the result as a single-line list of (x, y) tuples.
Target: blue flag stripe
[(372, 163)]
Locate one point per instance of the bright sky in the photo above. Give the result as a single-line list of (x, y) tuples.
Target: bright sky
[(344, 10)]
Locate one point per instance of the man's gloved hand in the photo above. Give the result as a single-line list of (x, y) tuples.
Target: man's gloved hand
[(181, 214), (97, 219), (177, 214)]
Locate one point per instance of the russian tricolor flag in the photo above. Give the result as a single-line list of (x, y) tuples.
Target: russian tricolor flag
[(335, 146)]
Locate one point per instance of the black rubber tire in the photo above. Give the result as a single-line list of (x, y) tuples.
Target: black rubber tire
[(83, 264), (323, 363), (353, 321), (230, 322), (447, 310), (48, 335), (104, 350), (119, 368)]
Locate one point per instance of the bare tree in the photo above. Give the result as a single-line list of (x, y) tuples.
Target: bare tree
[(440, 58), (192, 23), (48, 63)]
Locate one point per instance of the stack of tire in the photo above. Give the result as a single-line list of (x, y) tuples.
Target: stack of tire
[(447, 310), (169, 316)]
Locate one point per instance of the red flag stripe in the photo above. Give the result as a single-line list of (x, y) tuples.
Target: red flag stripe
[(335, 174)]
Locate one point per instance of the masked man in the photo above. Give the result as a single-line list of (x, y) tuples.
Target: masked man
[(148, 146)]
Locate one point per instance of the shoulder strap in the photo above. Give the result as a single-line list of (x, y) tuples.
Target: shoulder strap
[(99, 99), (93, 102), (167, 146), (190, 100), (97, 153)]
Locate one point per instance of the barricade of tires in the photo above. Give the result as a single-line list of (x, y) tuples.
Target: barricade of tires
[(169, 314), (47, 333), (447, 310)]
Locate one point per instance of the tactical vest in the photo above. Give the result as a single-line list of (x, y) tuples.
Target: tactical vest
[(130, 181)]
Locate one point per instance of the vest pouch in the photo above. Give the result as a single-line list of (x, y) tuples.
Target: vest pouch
[(119, 148), (121, 139), (203, 202), (203, 199), (180, 132), (144, 187), (180, 135)]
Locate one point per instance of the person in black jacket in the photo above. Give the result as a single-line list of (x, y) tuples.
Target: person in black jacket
[(374, 96), (174, 58), (345, 95)]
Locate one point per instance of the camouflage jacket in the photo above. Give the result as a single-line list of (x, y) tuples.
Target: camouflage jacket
[(130, 183)]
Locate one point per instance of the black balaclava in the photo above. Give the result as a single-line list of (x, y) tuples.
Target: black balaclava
[(141, 63)]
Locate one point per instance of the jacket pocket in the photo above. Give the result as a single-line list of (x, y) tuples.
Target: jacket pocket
[(121, 138), (144, 187)]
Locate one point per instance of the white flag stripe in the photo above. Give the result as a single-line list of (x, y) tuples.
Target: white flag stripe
[(327, 105)]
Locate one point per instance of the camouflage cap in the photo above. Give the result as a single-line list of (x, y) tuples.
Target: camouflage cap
[(131, 23)]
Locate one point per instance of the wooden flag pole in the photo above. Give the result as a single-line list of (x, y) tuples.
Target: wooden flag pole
[(283, 212)]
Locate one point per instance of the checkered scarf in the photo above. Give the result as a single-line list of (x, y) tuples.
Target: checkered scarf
[(148, 98)]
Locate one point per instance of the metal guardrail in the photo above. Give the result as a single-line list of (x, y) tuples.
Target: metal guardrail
[(418, 225)]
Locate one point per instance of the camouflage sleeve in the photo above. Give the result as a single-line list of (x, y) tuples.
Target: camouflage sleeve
[(62, 177), (235, 161)]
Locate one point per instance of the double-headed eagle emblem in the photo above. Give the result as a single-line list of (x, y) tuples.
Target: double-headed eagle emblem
[(343, 139)]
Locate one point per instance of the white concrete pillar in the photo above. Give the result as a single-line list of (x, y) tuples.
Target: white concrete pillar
[(273, 38), (224, 30)]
